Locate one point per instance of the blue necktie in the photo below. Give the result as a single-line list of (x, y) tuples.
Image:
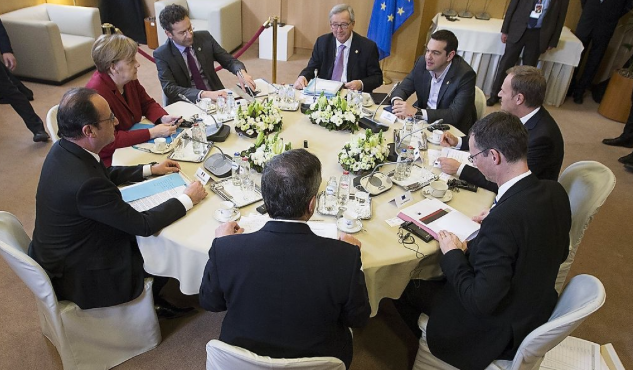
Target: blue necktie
[(338, 65)]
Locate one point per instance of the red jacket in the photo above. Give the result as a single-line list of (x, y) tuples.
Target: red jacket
[(128, 108)]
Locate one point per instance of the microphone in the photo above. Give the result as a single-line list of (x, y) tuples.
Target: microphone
[(377, 182), (219, 164), (385, 98), (370, 122), (218, 133), (316, 73)]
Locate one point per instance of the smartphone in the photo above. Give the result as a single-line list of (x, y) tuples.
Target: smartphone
[(261, 209), (417, 231)]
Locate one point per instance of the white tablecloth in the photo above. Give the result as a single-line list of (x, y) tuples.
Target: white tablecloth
[(181, 249), (480, 45)]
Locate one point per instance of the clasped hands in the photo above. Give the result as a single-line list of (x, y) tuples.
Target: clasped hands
[(302, 82)]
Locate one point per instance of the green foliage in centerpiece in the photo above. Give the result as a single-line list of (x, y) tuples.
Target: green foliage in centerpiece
[(364, 152), (258, 117), (264, 149), (334, 114)]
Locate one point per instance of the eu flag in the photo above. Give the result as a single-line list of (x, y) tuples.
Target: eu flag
[(386, 17)]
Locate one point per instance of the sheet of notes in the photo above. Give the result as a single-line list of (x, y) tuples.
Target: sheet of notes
[(573, 354)]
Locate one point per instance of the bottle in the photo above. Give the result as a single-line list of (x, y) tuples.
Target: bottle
[(198, 138), (405, 133), (230, 103), (343, 189), (410, 157), (330, 194), (235, 169), (401, 166), (245, 171)]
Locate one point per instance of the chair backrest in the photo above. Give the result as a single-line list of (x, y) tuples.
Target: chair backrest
[(158, 7), (583, 296), (221, 356), (588, 184), (51, 123), (480, 102)]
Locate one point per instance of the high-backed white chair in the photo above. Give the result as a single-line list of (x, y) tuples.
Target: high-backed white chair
[(480, 102), (583, 296), (222, 18), (99, 338), (588, 184), (51, 123), (222, 356)]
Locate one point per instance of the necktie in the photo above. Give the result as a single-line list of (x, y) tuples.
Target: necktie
[(195, 72), (338, 65), (533, 21)]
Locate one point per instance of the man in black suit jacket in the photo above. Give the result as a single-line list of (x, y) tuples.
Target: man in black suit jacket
[(595, 28), (287, 292), (443, 82), (522, 94), (85, 234), (359, 60), (532, 27), (13, 91), (173, 60), (499, 286)]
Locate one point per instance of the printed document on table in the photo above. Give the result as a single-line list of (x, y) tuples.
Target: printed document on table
[(458, 155), (148, 194), (329, 87), (573, 354), (433, 215)]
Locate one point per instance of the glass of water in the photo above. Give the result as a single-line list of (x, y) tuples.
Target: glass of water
[(222, 106)]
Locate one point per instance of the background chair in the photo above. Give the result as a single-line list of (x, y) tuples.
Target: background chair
[(480, 102), (99, 338), (51, 42), (583, 296), (222, 356), (51, 123), (222, 18), (588, 184)]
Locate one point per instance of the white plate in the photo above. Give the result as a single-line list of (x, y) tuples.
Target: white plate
[(340, 224), (218, 216), (426, 191)]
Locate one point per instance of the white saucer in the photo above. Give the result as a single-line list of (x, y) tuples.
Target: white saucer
[(218, 216), (430, 139), (426, 191), (340, 224), (368, 104)]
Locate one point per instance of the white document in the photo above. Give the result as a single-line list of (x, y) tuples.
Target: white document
[(432, 215), (254, 222), (573, 354), (329, 87), (458, 155), (150, 193)]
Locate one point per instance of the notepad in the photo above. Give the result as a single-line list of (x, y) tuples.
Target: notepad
[(148, 194)]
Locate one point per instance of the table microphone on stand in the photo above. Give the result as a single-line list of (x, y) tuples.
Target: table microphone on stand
[(376, 182), (221, 131), (316, 73), (370, 122), (219, 164)]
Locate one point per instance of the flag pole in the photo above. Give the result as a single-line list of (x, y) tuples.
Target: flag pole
[(385, 80)]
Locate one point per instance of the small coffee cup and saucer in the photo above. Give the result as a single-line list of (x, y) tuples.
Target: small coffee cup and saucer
[(227, 212), (349, 223), (367, 100), (435, 137), (438, 190)]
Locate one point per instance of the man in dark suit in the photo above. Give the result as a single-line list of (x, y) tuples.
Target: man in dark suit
[(500, 286), (595, 28), (532, 27), (13, 91), (85, 234), (287, 292), (185, 61), (343, 55), (522, 94), (443, 82)]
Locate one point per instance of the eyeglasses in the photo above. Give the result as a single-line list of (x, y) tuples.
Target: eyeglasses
[(183, 33), (471, 158), (342, 26), (111, 118)]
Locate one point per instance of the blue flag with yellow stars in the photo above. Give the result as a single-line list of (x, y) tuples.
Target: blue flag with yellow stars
[(386, 17)]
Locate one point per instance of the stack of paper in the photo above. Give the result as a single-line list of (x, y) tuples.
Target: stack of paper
[(432, 215), (148, 194), (319, 85)]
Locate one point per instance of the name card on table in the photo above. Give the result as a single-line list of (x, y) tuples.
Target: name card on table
[(388, 116)]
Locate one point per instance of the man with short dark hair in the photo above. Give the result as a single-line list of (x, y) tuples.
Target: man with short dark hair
[(443, 82), (500, 285), (185, 61), (287, 292), (522, 94), (85, 233)]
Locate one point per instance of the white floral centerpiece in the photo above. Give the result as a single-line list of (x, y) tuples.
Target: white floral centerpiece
[(264, 149), (334, 114), (364, 152), (258, 117)]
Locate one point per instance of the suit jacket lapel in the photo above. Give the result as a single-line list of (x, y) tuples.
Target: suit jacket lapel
[(330, 54), (179, 59), (354, 54), (448, 79), (198, 48)]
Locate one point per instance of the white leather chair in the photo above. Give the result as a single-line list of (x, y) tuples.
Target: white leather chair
[(222, 18), (480, 102), (222, 356), (51, 123), (52, 42), (99, 338), (588, 185), (583, 296)]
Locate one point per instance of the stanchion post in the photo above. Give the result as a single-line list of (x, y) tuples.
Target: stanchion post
[(385, 80), (275, 23)]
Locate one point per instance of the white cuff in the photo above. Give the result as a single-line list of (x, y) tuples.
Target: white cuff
[(459, 170), (459, 143), (186, 201), (200, 95), (394, 99), (147, 170), (425, 116)]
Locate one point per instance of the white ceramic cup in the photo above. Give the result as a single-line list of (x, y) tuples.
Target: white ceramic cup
[(437, 135), (227, 209), (204, 103), (367, 99), (160, 144), (350, 218), (438, 189)]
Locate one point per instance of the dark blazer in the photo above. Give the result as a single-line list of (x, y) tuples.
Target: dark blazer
[(546, 150), (362, 63), (456, 100), (173, 72), (503, 287), (518, 14), (601, 17), (85, 233), (287, 291), (5, 43)]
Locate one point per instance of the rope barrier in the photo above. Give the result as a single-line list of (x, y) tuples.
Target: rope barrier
[(149, 57)]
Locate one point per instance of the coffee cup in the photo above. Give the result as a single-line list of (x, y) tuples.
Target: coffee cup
[(367, 99), (160, 144), (227, 209), (204, 103), (437, 135), (438, 189), (350, 218)]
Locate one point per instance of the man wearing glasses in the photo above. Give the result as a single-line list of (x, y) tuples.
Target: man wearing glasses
[(185, 61), (343, 55), (522, 94)]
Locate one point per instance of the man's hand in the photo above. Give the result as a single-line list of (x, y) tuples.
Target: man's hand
[(228, 228), (354, 85), (213, 94), (449, 241), (162, 130), (301, 83), (448, 139), (9, 60), (402, 109), (504, 37), (165, 167), (245, 78), (480, 217), (169, 120), (196, 192), (347, 238), (449, 165)]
